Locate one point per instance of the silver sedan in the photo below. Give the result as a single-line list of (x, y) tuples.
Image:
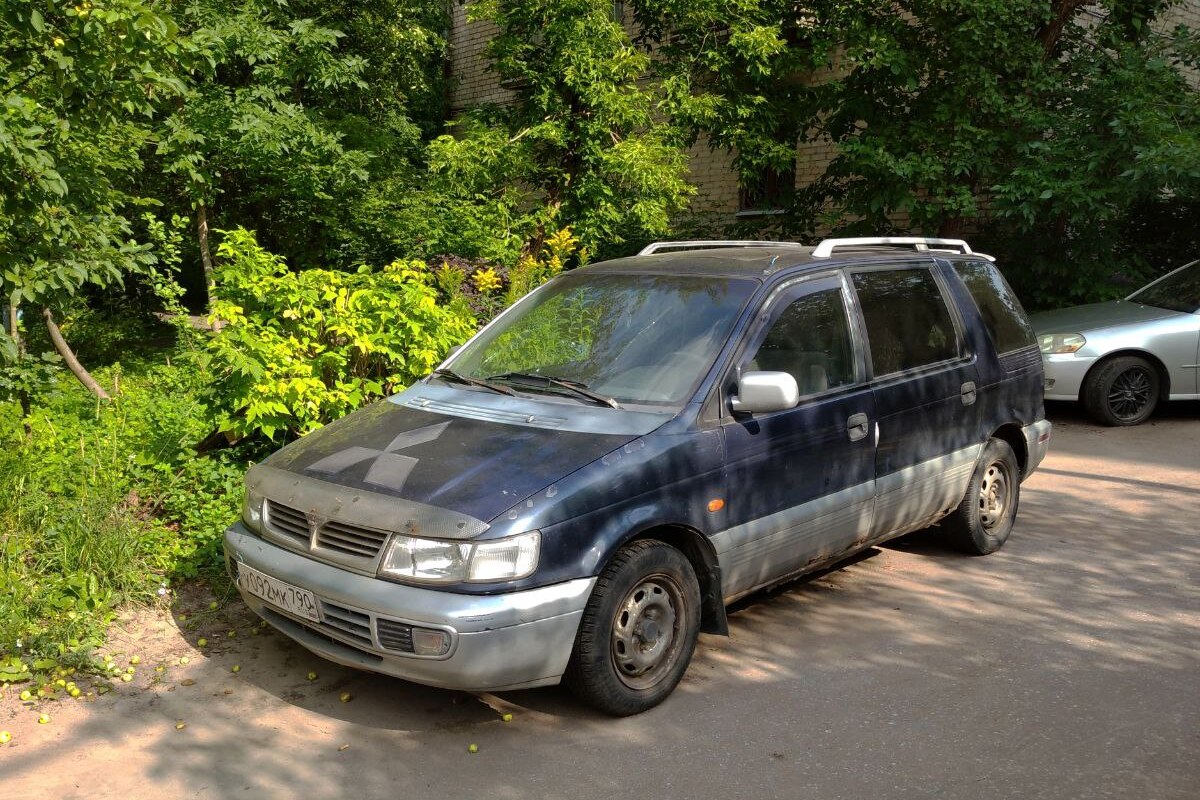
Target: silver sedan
[(1120, 358)]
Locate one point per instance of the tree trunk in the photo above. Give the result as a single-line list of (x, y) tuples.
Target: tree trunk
[(64, 350), (1061, 12), (12, 324), (205, 254)]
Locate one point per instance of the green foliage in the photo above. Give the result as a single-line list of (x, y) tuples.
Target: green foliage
[(251, 133), (1118, 146), (583, 143), (79, 84), (739, 73), (297, 350), (101, 504)]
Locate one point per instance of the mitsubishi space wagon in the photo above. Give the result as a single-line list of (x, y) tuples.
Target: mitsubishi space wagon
[(585, 486)]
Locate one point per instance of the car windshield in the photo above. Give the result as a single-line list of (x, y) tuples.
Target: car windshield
[(641, 339), (1179, 291)]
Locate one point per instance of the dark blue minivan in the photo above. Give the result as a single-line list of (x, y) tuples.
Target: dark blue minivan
[(583, 487)]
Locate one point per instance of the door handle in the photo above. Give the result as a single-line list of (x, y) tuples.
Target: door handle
[(967, 393), (857, 426)]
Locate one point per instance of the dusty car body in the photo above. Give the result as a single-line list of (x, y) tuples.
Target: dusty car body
[(1122, 357), (583, 487)]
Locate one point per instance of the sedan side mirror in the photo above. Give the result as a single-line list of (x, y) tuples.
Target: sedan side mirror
[(762, 392)]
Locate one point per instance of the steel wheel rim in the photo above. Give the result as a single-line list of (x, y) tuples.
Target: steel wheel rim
[(647, 631), (994, 494), (1129, 394)]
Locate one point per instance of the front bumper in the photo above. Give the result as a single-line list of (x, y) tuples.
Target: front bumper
[(497, 642), (1037, 443), (1064, 374)]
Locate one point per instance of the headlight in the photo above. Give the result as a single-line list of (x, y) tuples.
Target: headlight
[(1061, 342), (252, 509), (438, 561)]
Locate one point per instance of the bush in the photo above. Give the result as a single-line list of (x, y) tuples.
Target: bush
[(103, 503), (297, 350)]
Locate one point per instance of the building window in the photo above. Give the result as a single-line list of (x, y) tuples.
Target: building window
[(768, 192)]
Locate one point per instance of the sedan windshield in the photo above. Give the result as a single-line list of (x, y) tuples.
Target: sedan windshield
[(1179, 291), (610, 339)]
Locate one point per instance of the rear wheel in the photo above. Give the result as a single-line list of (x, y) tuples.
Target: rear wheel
[(1123, 391), (983, 520), (638, 631)]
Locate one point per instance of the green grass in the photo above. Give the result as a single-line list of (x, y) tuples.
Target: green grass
[(103, 504)]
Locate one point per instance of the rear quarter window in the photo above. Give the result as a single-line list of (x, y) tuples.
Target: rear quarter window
[(1003, 316)]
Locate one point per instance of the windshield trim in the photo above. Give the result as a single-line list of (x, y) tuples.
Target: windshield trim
[(1133, 298)]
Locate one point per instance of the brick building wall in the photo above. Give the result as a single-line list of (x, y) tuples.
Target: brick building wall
[(711, 169)]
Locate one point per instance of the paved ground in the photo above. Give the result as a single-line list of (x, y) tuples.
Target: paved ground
[(1065, 666)]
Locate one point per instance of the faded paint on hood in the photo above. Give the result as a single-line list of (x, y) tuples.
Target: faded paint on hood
[(475, 467)]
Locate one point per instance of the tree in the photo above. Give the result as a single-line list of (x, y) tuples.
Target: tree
[(79, 88), (739, 73), (250, 133), (583, 143), (1024, 119)]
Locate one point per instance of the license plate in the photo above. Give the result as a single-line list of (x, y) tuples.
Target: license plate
[(292, 599)]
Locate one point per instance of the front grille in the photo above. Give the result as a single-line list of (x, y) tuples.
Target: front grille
[(394, 635), (285, 623), (350, 539), (287, 520), (349, 627), (339, 537), (346, 621)]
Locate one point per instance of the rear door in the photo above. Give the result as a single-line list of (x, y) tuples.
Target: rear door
[(924, 380), (801, 481)]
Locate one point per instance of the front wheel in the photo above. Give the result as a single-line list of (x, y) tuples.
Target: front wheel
[(983, 520), (1123, 391), (638, 630)]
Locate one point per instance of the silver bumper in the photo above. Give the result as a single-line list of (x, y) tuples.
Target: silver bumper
[(506, 641), (1037, 443), (1064, 374)]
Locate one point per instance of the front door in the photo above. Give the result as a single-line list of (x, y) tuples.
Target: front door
[(925, 386), (801, 481)]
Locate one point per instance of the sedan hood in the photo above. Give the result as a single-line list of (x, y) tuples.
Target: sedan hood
[(1081, 319), (479, 468)]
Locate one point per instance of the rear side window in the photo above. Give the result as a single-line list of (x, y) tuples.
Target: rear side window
[(998, 305), (908, 323)]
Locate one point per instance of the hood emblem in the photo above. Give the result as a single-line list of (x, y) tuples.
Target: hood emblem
[(388, 469), (314, 528)]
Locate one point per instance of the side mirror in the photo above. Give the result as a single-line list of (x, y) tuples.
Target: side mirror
[(762, 392)]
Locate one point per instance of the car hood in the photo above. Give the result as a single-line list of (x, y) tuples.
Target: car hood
[(1081, 319), (479, 468)]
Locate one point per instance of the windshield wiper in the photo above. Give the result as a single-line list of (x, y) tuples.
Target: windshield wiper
[(575, 387), (451, 375)]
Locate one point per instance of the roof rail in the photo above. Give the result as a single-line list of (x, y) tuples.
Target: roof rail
[(826, 247), (704, 244)]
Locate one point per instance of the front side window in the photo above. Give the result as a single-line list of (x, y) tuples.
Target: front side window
[(1002, 313), (810, 340), (642, 339), (908, 323)]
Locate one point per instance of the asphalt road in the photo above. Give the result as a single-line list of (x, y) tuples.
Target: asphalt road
[(1065, 666)]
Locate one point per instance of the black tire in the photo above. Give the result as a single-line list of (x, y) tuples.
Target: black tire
[(983, 520), (1122, 391), (611, 667)]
